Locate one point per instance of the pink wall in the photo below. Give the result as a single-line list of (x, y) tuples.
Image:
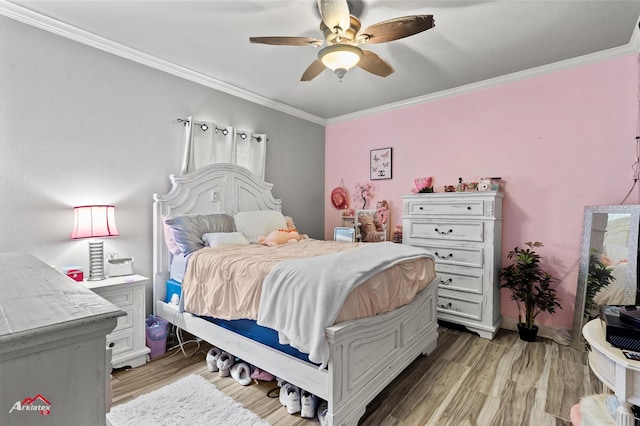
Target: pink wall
[(560, 141)]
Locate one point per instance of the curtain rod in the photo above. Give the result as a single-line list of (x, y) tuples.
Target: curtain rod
[(205, 127)]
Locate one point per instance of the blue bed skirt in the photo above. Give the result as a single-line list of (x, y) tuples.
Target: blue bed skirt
[(245, 327)]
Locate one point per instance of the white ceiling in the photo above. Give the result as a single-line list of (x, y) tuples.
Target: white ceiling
[(473, 43)]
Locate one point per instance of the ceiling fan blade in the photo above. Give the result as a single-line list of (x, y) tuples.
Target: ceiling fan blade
[(287, 41), (394, 29), (375, 64), (313, 70), (335, 13)]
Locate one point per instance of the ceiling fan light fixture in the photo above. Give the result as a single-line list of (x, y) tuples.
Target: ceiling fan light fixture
[(341, 57)]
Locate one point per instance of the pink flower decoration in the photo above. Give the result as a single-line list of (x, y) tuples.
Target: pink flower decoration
[(422, 184), (364, 192)]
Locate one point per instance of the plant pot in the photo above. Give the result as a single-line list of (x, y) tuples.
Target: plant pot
[(527, 334)]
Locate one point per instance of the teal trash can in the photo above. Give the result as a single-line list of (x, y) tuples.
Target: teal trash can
[(157, 332)]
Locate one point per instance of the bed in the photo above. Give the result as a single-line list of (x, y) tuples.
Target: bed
[(365, 354)]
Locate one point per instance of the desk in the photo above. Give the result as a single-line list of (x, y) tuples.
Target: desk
[(618, 373)]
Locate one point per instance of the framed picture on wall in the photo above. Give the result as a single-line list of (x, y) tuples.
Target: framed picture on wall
[(380, 163)]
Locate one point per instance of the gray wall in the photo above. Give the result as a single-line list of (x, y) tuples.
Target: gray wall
[(81, 126)]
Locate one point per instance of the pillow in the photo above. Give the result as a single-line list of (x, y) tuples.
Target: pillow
[(168, 238), (188, 230), (259, 223), (616, 253), (216, 239)]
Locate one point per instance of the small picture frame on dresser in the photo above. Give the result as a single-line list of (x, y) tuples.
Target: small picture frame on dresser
[(380, 163)]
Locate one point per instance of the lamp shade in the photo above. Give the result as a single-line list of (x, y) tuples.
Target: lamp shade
[(94, 221)]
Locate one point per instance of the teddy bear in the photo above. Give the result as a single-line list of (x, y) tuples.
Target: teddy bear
[(282, 236)]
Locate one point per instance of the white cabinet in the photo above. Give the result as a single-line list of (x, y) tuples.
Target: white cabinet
[(464, 232), (347, 221), (128, 340)]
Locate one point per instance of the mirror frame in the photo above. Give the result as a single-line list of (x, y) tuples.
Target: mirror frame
[(631, 274)]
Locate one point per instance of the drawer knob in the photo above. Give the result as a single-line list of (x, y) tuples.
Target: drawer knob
[(468, 207), (112, 344), (449, 281), (447, 306), (443, 232), (420, 208), (449, 256)]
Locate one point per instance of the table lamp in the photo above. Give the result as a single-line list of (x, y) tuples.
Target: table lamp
[(92, 222)]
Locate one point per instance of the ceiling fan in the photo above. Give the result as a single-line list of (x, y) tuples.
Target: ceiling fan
[(342, 36)]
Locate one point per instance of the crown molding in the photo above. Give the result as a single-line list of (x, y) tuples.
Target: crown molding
[(631, 48), (54, 26), (35, 19)]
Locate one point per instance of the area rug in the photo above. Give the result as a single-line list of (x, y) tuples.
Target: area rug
[(191, 401)]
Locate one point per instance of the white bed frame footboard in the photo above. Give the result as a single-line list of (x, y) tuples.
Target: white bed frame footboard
[(366, 354)]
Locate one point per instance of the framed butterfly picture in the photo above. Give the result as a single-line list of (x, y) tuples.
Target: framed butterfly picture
[(380, 163)]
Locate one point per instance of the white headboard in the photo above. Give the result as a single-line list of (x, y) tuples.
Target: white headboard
[(618, 230), (216, 188)]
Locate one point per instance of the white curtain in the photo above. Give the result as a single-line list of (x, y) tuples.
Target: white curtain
[(208, 143), (251, 151), (211, 145)]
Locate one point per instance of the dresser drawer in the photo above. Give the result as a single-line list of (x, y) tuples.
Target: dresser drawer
[(463, 256), (469, 281), (459, 306), (448, 208), (120, 342), (444, 230), (121, 298)]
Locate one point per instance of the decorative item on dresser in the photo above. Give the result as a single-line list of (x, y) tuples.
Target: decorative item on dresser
[(464, 232), (127, 341)]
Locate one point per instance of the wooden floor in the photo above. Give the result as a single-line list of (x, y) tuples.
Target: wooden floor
[(466, 381)]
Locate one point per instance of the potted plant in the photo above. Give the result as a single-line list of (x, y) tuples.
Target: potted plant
[(530, 287), (598, 277)]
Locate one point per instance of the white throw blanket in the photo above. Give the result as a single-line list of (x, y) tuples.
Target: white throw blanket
[(302, 297)]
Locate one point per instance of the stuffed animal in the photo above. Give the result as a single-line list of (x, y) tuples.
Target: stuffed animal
[(282, 236)]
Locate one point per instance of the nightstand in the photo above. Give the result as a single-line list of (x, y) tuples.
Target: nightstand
[(128, 340)]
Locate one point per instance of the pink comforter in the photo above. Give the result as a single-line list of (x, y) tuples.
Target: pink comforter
[(226, 282)]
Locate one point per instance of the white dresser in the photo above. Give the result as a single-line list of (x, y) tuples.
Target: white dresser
[(464, 232), (53, 361), (128, 340)]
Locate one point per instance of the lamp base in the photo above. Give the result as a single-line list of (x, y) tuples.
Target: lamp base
[(96, 261)]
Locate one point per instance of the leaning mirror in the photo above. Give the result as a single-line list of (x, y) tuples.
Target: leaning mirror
[(607, 273)]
